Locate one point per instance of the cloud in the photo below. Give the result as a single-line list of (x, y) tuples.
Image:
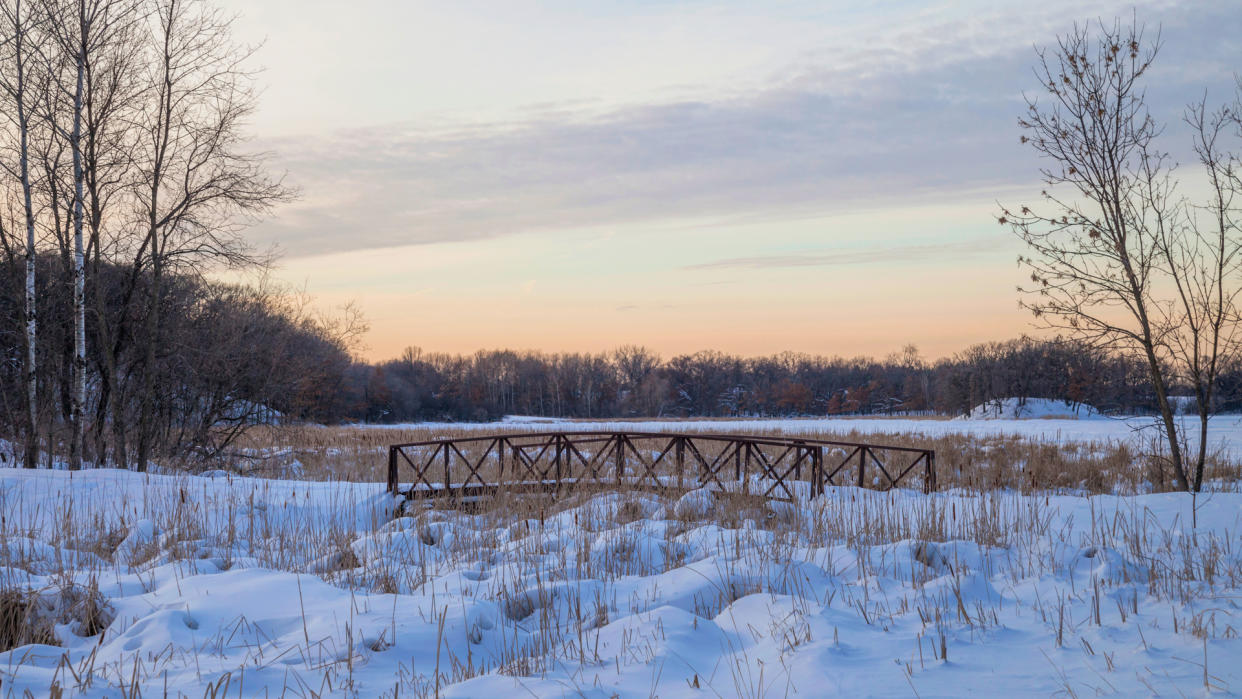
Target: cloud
[(886, 255), (925, 114)]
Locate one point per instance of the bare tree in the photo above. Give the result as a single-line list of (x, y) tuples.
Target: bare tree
[(634, 366), (1112, 236), (79, 28), (112, 90), (195, 181), (1202, 256), (20, 22)]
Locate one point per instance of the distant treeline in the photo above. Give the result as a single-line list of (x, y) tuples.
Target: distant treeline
[(636, 382)]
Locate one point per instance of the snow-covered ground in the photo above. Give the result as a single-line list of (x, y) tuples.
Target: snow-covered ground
[(288, 588), (1032, 408)]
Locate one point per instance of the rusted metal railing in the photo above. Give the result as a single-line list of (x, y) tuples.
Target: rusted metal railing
[(468, 466)]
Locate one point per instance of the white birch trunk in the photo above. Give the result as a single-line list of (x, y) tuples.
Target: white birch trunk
[(23, 121), (78, 399)]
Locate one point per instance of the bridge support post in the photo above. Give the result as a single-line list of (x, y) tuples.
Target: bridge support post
[(817, 472), (560, 449), (392, 470), (680, 453), (737, 461), (500, 459), (746, 468), (618, 456), (448, 483)]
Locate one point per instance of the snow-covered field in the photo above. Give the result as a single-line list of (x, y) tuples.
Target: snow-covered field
[(291, 588)]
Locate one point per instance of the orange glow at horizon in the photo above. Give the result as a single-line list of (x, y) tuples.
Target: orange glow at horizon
[(592, 291)]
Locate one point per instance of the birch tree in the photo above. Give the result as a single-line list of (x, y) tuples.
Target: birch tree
[(99, 52), (112, 92), (74, 25), (19, 23)]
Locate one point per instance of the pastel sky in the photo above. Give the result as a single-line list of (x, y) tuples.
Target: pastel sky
[(749, 177)]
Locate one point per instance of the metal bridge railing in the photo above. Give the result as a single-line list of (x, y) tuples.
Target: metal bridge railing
[(777, 466)]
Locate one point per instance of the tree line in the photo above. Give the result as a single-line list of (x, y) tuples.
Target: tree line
[(637, 382)]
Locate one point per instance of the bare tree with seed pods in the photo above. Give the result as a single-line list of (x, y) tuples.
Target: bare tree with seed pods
[(1115, 255), (18, 85)]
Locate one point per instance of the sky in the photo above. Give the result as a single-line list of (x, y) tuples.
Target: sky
[(574, 175)]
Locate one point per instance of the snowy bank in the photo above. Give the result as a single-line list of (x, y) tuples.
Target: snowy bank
[(271, 587), (1032, 409)]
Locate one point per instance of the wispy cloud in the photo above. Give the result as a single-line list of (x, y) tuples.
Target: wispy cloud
[(926, 113), (882, 254)]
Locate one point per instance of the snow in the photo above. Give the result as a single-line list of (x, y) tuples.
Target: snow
[(696, 503), (274, 587), (1032, 408)]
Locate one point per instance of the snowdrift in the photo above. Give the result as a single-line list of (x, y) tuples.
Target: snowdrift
[(1032, 408)]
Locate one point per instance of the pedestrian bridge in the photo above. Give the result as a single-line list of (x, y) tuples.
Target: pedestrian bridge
[(786, 468)]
